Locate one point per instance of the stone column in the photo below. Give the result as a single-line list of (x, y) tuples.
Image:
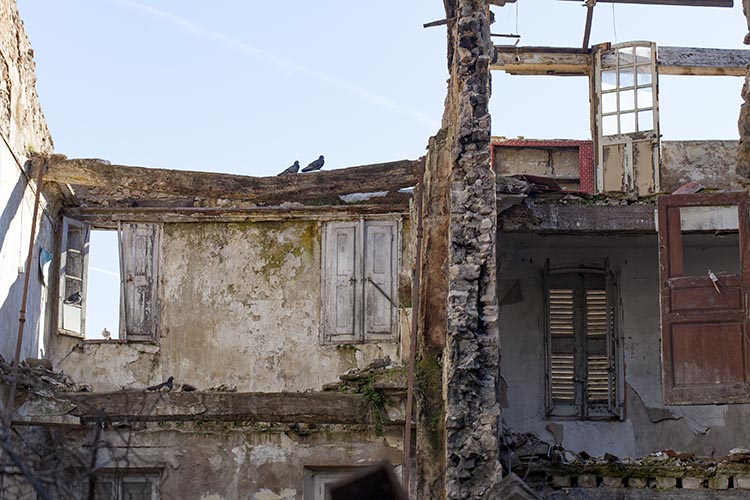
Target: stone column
[(460, 243)]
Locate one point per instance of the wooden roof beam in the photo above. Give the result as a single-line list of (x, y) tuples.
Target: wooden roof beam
[(576, 62), (117, 180), (682, 3)]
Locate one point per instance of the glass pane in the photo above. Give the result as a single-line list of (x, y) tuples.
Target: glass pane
[(643, 54), (627, 100), (136, 490), (645, 98), (609, 60), (609, 125), (645, 120), (627, 78), (609, 79), (643, 74), (626, 55), (609, 102), (74, 264), (104, 490), (75, 237), (627, 123)]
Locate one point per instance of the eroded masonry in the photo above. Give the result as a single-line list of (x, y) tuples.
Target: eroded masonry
[(570, 316)]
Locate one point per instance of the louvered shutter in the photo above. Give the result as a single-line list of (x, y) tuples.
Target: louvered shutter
[(599, 348), (562, 379), (139, 263), (379, 286), (73, 274), (341, 268)]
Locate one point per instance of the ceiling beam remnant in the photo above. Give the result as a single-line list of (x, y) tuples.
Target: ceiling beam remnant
[(150, 182), (590, 4), (681, 3), (576, 62)]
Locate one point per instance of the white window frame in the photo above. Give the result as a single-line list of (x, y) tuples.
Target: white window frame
[(365, 290)]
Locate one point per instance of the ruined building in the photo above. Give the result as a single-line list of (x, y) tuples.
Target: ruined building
[(573, 314)]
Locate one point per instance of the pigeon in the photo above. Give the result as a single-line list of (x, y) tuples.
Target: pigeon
[(74, 298), (106, 334), (291, 170), (163, 386), (316, 165)]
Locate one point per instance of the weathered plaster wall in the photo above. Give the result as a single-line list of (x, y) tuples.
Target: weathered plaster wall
[(217, 461), (22, 130), (712, 163), (240, 306), (649, 425)]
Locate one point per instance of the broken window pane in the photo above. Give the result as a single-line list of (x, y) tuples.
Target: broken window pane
[(627, 100), (645, 120), (609, 102), (609, 79), (625, 56), (643, 74), (627, 78), (609, 125), (643, 55), (103, 294), (627, 123)]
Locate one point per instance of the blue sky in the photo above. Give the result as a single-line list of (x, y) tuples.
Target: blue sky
[(248, 87)]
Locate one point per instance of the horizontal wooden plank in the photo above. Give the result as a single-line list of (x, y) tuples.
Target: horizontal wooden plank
[(109, 217), (702, 61), (125, 182), (283, 407), (542, 61), (683, 3), (555, 218)]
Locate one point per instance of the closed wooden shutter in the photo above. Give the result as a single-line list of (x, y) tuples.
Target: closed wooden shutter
[(139, 245), (73, 277), (341, 270), (379, 279)]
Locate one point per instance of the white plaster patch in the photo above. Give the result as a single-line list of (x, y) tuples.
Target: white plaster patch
[(264, 454), (240, 453), (266, 494)]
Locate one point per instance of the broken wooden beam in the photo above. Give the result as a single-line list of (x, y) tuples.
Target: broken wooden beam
[(553, 218), (281, 407), (141, 182)]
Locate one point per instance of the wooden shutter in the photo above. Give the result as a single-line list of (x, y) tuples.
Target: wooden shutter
[(704, 330), (73, 274), (341, 271), (379, 279), (139, 262)]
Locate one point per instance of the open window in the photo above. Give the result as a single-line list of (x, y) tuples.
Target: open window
[(360, 263), (583, 367), (704, 265), (137, 250)]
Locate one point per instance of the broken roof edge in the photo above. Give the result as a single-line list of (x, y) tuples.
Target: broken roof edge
[(97, 181)]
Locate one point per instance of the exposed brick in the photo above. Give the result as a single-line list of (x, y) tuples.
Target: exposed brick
[(637, 482), (560, 482)]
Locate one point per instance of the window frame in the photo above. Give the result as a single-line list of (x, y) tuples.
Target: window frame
[(128, 263), (120, 476), (582, 408), (364, 289)]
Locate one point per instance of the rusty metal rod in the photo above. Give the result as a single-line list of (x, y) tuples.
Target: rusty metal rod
[(406, 467), (22, 316)]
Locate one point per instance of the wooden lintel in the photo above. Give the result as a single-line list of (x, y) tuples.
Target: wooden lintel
[(682, 3), (109, 217), (542, 61), (141, 181), (284, 407), (554, 218), (702, 61)]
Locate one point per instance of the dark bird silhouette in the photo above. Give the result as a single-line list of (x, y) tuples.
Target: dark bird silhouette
[(164, 385), (316, 165), (73, 298), (291, 170)]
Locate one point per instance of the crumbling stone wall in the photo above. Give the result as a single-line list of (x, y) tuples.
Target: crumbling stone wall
[(461, 171), (743, 150)]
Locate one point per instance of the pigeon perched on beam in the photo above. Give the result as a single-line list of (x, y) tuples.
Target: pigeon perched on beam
[(291, 170), (163, 386), (316, 165)]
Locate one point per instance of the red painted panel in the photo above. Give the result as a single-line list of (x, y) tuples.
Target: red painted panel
[(708, 353)]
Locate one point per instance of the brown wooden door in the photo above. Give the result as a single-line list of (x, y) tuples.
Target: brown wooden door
[(704, 317)]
